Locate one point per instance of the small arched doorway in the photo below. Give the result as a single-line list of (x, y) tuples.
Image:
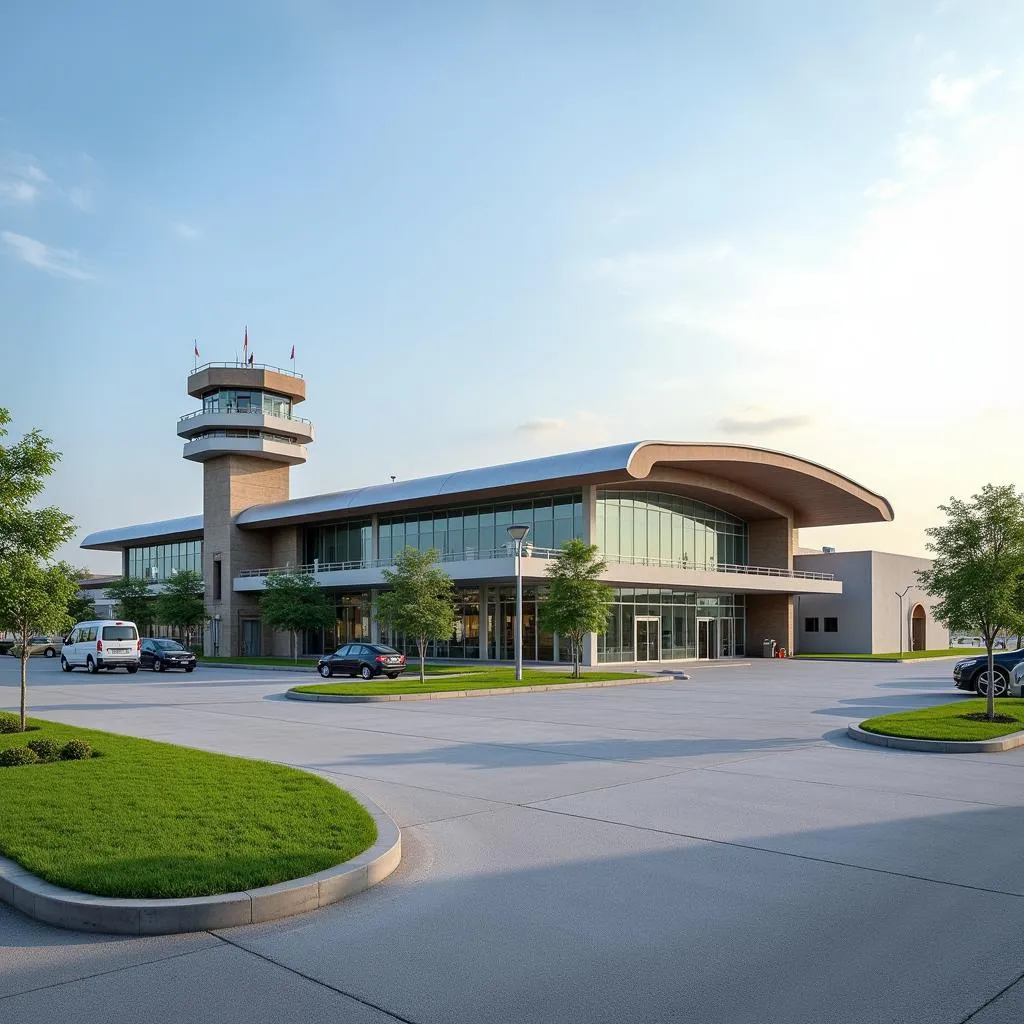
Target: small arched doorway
[(917, 623)]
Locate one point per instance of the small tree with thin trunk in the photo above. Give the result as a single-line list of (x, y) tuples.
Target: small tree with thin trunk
[(81, 608), (978, 572), (182, 603), (33, 599), (420, 601), (135, 601), (576, 603), (293, 601)]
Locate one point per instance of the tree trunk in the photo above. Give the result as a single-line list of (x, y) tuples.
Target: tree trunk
[(991, 682), (295, 646), (421, 647)]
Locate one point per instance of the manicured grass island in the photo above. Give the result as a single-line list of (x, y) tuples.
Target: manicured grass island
[(952, 652), (963, 720), (483, 679), (310, 664), (141, 819)]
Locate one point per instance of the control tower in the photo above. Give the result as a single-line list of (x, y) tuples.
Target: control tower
[(247, 437)]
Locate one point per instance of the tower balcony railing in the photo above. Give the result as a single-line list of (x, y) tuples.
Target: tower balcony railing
[(531, 551), (242, 412), (241, 365)]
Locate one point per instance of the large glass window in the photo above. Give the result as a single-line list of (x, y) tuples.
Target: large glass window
[(651, 527), (233, 400), (337, 543), (158, 562)]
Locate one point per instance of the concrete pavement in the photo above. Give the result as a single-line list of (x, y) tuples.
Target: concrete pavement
[(708, 850)]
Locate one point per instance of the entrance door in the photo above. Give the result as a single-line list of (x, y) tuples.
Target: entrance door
[(707, 638), (252, 638), (648, 631), (917, 621), (726, 641)]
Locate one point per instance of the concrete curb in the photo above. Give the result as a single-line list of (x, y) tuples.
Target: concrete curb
[(80, 911), (882, 661), (993, 746), (498, 691), (256, 668)]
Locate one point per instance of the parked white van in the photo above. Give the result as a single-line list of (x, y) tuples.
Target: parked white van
[(104, 643)]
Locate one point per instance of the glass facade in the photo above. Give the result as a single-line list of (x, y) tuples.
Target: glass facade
[(230, 401), (352, 622), (161, 561), (338, 542), (651, 526), (663, 623), (475, 531)]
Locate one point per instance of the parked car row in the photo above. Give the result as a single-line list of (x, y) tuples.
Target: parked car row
[(363, 660)]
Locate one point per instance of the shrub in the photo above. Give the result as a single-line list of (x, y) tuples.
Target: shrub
[(46, 749), (9, 722), (12, 757), (75, 750)]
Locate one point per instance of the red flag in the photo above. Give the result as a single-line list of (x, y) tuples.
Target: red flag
[(197, 349), (293, 354), (245, 344)]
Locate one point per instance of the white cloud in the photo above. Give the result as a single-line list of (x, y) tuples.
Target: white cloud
[(186, 231), (541, 425), (954, 96), (752, 422), (18, 191), (58, 262), (81, 198)]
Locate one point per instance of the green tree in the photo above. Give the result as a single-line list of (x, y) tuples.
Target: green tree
[(81, 608), (978, 569), (293, 601), (182, 603), (135, 601), (34, 594), (420, 601), (34, 598), (576, 602), (24, 468)]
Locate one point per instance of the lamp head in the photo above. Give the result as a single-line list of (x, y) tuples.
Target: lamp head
[(518, 532)]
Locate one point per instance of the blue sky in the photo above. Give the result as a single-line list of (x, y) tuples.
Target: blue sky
[(499, 230)]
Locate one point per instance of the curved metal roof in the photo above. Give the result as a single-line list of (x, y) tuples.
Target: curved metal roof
[(162, 532), (816, 495), (512, 474)]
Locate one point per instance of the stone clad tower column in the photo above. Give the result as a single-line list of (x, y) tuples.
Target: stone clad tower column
[(247, 437)]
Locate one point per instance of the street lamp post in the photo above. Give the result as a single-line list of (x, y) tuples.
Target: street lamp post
[(901, 596), (518, 535)]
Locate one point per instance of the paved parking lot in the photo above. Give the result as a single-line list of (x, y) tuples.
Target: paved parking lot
[(712, 850)]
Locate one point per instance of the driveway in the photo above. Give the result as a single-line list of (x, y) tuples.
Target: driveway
[(709, 850)]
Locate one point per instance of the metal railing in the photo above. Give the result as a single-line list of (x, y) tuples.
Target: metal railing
[(239, 365), (242, 412), (507, 551)]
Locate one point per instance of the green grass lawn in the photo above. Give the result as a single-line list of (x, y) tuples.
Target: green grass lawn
[(485, 679), (948, 721), (151, 820), (907, 655)]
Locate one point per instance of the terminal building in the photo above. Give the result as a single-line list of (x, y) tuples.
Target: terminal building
[(700, 540)]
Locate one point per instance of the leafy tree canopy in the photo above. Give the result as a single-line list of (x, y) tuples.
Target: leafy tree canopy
[(182, 603), (577, 602), (294, 601), (420, 601), (135, 601), (978, 570)]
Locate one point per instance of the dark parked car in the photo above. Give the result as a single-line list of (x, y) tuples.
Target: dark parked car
[(972, 673), (366, 660), (164, 654)]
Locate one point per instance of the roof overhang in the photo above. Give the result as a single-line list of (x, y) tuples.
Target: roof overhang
[(166, 532)]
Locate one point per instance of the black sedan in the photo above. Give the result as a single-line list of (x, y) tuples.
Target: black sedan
[(365, 660), (160, 655), (972, 673)]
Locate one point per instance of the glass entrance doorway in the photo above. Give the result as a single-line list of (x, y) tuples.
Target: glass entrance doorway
[(648, 631), (707, 638), (252, 638)]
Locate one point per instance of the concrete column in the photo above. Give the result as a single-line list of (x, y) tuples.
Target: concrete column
[(375, 538), (590, 649), (374, 625), (484, 592), (590, 514), (769, 617)]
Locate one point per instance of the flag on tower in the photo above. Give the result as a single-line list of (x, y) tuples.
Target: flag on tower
[(292, 357), (196, 347), (252, 356)]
